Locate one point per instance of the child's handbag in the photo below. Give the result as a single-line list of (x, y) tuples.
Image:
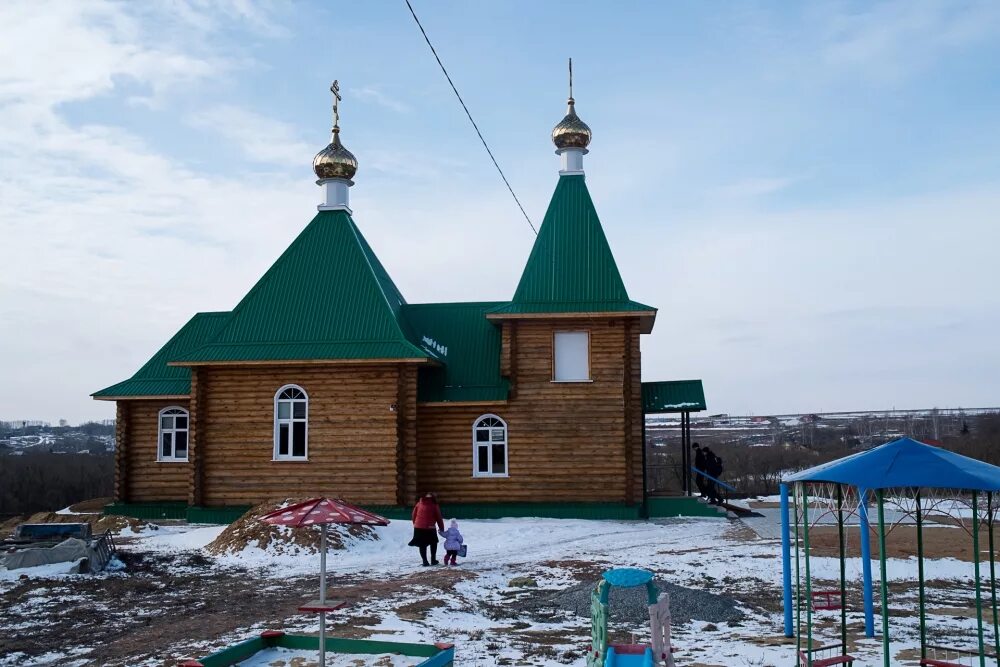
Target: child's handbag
[(463, 551)]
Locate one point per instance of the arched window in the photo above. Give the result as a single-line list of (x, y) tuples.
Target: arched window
[(489, 447), (291, 424), (173, 435)]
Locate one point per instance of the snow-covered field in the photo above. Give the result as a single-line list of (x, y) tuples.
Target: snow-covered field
[(392, 597)]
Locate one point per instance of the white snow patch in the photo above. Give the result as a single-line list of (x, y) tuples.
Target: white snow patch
[(179, 538), (50, 570), (272, 655)]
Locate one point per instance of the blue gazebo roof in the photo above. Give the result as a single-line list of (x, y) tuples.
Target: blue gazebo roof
[(903, 463)]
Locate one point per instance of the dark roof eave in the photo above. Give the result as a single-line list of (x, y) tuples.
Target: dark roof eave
[(148, 397), (646, 317), (285, 362)]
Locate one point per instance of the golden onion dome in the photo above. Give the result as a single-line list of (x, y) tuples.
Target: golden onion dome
[(571, 132), (335, 161)]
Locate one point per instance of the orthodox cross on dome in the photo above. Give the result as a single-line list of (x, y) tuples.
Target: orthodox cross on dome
[(335, 89), (571, 136), (335, 166), (571, 80)]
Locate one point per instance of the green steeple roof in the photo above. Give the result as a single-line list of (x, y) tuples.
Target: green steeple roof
[(326, 297), (571, 268), (156, 378)]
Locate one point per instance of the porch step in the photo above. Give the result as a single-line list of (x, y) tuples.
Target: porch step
[(735, 510), (679, 506)]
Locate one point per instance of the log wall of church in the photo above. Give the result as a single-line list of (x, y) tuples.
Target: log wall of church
[(567, 442), (353, 440), (146, 479)]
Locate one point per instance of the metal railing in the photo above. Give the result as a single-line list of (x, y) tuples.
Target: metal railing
[(104, 549), (665, 479), (726, 487)]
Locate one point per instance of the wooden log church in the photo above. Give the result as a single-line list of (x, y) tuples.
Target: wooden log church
[(324, 380)]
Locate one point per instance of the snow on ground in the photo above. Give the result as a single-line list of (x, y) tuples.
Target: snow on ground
[(48, 571), (692, 552), (272, 656), (181, 537), (473, 606)]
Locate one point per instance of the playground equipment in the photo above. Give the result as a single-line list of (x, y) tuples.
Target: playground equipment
[(916, 478), (322, 512), (253, 650), (658, 652)]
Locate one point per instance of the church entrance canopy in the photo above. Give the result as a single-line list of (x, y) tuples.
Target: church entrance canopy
[(666, 471)]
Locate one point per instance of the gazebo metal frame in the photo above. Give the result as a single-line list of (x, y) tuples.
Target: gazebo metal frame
[(975, 477)]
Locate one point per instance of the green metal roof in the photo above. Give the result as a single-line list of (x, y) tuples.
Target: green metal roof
[(571, 267), (468, 347), (326, 297), (156, 378), (673, 396)]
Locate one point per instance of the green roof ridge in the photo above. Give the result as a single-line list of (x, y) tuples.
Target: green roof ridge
[(326, 297), (571, 261)]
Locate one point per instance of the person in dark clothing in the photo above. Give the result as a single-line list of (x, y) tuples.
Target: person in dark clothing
[(699, 464), (427, 517), (713, 466)]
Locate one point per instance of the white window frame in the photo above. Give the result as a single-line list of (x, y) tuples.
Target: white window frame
[(475, 447), (555, 337), (160, 432), (291, 420)]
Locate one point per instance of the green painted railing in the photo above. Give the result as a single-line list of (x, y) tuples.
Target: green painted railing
[(438, 655)]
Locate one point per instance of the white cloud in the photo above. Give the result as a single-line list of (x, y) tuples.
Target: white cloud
[(894, 39), (106, 239), (373, 94), (73, 51), (756, 187), (260, 138), (807, 309), (112, 244)]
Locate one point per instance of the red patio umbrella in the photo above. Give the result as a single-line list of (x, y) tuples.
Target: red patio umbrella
[(322, 512)]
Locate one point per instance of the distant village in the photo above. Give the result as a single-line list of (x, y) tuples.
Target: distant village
[(18, 437), (857, 429)]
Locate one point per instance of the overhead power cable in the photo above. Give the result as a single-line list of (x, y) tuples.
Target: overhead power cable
[(467, 113)]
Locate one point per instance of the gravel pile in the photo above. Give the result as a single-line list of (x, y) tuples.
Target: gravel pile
[(630, 606)]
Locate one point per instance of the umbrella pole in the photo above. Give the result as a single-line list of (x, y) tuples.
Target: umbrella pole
[(322, 595)]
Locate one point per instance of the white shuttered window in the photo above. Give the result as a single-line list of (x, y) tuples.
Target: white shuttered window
[(571, 356)]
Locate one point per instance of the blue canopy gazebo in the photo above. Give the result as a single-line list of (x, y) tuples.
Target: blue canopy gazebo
[(908, 468)]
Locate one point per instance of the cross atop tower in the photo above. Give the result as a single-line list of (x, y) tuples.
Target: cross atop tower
[(335, 89), (571, 80)]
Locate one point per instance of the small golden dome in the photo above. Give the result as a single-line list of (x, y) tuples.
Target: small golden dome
[(335, 161), (571, 132)]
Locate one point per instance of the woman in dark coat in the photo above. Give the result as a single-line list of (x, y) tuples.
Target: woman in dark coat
[(427, 520)]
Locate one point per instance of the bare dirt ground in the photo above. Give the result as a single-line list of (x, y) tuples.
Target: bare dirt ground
[(901, 542), (194, 601), (169, 605)]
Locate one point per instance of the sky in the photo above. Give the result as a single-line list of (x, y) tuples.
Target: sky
[(808, 192)]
